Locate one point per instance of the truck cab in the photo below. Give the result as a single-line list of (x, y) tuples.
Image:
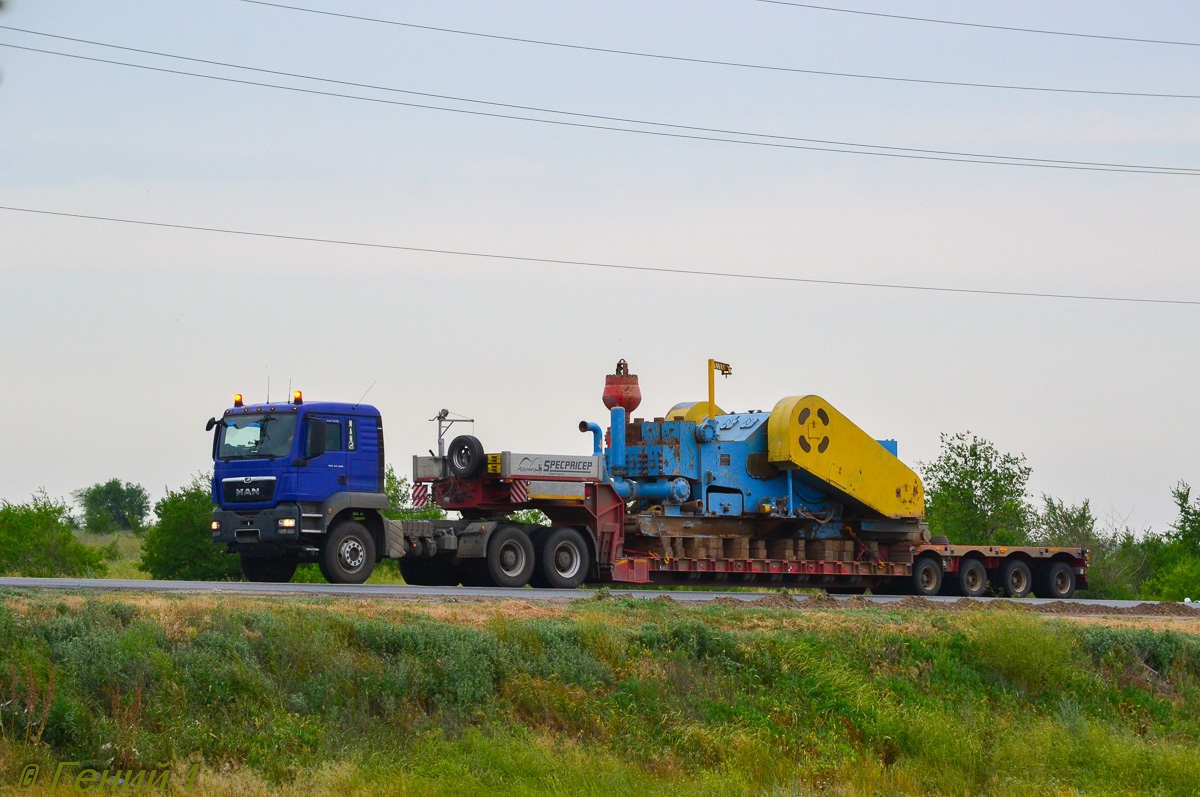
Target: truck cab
[(299, 482)]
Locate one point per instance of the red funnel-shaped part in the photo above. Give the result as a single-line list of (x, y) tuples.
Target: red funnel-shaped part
[(621, 389)]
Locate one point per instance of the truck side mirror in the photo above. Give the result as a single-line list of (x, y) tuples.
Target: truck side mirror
[(208, 427), (314, 443)]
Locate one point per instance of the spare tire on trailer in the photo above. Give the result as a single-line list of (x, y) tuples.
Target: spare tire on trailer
[(465, 457), (939, 539)]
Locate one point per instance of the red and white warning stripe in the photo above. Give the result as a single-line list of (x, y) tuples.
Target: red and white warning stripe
[(420, 494), (518, 492)]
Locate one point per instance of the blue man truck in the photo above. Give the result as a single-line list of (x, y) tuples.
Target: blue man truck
[(796, 496)]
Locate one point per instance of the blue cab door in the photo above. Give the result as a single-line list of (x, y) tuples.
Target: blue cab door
[(326, 474)]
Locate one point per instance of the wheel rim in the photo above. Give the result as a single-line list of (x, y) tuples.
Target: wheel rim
[(1062, 582), (566, 559), (461, 457), (973, 578), (511, 559), (1018, 581), (928, 578), (352, 554)]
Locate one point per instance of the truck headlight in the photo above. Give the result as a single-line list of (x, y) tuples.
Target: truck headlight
[(286, 522), (216, 525)]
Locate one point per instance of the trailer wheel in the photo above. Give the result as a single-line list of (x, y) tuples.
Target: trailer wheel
[(276, 569), (1016, 580), (1056, 580), (563, 559), (972, 578), (927, 576), (348, 555), (510, 557), (465, 456)]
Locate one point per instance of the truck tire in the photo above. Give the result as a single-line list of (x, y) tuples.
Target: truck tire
[(510, 557), (972, 578), (348, 554), (1055, 580), (939, 539), (273, 569), (1016, 580), (465, 456), (562, 559), (927, 576)]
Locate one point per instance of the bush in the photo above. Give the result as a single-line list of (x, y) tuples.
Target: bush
[(179, 546), (36, 540)]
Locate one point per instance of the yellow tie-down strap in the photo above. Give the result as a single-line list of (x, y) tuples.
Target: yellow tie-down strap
[(807, 433), (555, 491)]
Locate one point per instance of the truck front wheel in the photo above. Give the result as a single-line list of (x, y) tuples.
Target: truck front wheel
[(348, 555), (275, 569)]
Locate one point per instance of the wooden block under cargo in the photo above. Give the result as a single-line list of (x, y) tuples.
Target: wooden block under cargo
[(825, 550), (695, 547), (758, 549), (781, 549), (737, 548)]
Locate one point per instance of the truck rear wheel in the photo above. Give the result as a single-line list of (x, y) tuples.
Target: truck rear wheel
[(348, 555), (972, 578), (562, 560), (1055, 580), (273, 569), (510, 557), (927, 576), (1016, 580)]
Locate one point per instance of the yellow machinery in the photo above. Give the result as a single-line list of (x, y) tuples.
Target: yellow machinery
[(806, 434)]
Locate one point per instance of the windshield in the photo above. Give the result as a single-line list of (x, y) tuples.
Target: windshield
[(257, 436)]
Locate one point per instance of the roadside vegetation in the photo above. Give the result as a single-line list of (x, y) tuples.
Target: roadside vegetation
[(605, 697), (975, 494)]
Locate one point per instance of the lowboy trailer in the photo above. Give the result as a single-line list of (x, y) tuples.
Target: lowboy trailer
[(797, 496)]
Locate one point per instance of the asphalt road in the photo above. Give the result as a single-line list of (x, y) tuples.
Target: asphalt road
[(390, 591)]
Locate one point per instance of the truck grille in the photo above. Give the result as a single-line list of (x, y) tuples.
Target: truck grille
[(248, 490)]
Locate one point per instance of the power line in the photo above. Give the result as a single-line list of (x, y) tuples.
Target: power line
[(973, 24), (596, 264), (715, 62), (911, 153)]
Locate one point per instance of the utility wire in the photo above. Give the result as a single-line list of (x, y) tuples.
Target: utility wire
[(973, 24), (911, 153), (595, 264), (624, 120), (714, 62)]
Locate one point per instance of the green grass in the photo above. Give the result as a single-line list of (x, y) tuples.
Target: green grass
[(122, 552), (608, 697)]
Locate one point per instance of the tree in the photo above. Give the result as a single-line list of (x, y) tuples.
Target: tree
[(977, 496), (1179, 576), (179, 545), (36, 540), (113, 506)]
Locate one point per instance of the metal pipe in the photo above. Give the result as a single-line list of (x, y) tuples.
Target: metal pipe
[(616, 449), (673, 491), (597, 436)]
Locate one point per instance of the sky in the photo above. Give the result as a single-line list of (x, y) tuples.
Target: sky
[(118, 341)]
